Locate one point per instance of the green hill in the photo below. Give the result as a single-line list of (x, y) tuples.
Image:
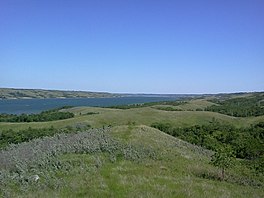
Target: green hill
[(121, 155), (145, 115), (174, 169)]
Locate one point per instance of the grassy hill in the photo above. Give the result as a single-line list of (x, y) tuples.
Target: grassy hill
[(9, 93), (129, 159), (177, 169), (144, 115)]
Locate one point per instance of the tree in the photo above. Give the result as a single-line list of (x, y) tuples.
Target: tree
[(223, 158)]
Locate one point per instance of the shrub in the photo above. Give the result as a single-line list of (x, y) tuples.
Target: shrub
[(223, 158), (20, 162)]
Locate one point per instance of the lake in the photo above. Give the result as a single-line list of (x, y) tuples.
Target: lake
[(18, 106)]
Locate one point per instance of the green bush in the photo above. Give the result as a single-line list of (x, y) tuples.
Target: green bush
[(239, 107), (44, 116), (14, 137), (247, 143), (223, 158)]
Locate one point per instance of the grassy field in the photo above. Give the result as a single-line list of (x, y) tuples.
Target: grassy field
[(145, 115), (191, 105), (175, 169), (179, 170)]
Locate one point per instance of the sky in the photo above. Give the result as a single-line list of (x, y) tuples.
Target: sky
[(133, 46)]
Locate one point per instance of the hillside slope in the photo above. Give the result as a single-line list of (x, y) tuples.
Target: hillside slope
[(112, 152), (9, 93), (145, 115), (153, 165)]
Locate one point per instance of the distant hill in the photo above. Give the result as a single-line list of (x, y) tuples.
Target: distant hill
[(10, 93)]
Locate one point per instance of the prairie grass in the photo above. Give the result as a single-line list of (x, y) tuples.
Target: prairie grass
[(150, 164), (145, 116), (128, 159)]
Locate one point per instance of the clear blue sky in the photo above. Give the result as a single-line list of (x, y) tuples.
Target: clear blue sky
[(136, 46)]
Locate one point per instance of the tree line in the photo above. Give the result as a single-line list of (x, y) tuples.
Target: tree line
[(239, 107), (14, 137), (147, 104), (44, 116), (246, 143)]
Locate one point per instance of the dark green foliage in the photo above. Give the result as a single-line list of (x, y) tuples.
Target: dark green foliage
[(168, 109), (14, 137), (247, 143), (223, 158), (173, 103), (149, 104), (44, 116), (90, 113), (240, 107)]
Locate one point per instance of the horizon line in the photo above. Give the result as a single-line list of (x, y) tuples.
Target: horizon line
[(135, 93)]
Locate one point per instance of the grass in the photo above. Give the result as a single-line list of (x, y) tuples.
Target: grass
[(191, 105), (178, 168), (145, 115), (175, 173)]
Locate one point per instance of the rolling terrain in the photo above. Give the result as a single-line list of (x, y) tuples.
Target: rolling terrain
[(142, 115), (126, 157)]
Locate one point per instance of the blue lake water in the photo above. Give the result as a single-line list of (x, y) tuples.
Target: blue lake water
[(18, 106)]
